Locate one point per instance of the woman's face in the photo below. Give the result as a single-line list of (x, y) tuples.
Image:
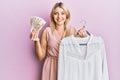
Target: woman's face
[(59, 16)]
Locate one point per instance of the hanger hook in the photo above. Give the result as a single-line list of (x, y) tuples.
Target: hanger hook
[(83, 23)]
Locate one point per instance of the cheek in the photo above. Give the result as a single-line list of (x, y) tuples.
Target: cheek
[(54, 18), (64, 17)]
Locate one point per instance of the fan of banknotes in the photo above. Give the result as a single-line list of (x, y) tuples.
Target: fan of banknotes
[(37, 23)]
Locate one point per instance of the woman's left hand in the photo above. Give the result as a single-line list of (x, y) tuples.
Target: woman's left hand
[(82, 32)]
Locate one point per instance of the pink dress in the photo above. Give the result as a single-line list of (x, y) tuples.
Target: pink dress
[(50, 65)]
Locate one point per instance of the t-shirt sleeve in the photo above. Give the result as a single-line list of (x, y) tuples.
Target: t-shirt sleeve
[(105, 75)]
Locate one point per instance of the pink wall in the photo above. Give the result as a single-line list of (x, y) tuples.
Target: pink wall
[(17, 58)]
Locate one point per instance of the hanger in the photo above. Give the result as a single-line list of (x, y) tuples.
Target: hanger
[(85, 44), (77, 34), (83, 25)]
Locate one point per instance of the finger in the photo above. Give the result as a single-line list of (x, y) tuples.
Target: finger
[(32, 37), (35, 36), (33, 33), (37, 33)]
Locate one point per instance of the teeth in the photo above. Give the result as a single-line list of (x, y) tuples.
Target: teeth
[(59, 20)]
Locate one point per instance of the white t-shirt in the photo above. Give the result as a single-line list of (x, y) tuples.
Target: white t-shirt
[(82, 62)]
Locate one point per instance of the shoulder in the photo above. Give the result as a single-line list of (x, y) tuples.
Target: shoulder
[(97, 39), (72, 29), (46, 30)]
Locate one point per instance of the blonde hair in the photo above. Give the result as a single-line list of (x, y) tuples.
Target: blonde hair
[(52, 22)]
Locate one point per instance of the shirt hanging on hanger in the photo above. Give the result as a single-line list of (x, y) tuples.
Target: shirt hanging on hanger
[(80, 62)]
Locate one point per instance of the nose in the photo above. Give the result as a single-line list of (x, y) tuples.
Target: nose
[(59, 15)]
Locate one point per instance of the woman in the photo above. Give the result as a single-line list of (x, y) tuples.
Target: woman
[(48, 46)]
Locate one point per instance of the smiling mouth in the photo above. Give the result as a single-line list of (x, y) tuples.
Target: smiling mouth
[(59, 20)]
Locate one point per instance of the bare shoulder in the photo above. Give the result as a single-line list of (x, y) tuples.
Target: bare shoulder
[(72, 30), (45, 30), (44, 33)]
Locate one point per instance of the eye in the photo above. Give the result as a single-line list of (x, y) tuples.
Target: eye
[(55, 13), (63, 13)]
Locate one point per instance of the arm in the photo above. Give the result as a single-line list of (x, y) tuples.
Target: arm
[(40, 46)]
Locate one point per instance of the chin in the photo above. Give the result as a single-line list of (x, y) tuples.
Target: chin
[(60, 23)]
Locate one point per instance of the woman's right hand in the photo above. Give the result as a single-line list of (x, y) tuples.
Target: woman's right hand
[(34, 35)]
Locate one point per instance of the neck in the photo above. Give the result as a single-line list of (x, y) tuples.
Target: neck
[(59, 27)]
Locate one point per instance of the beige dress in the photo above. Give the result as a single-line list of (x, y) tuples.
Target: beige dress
[(51, 62)]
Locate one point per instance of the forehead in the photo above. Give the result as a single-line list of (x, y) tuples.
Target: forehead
[(58, 9)]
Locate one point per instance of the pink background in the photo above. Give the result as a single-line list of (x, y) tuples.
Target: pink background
[(17, 58)]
